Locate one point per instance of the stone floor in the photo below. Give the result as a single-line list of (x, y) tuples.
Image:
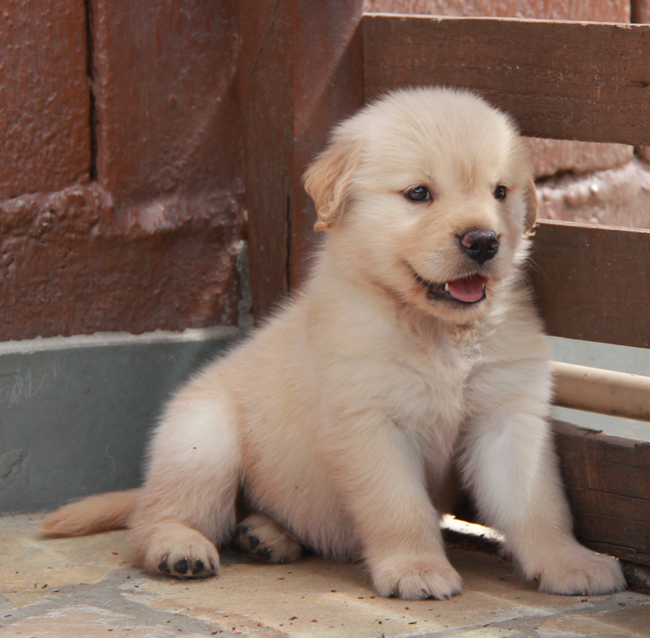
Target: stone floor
[(86, 587)]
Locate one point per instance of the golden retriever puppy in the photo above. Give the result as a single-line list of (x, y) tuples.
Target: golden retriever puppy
[(413, 346)]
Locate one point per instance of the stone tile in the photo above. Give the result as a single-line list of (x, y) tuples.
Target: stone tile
[(89, 622), (30, 564), (317, 598), (577, 625), (491, 632), (635, 620), (91, 589)]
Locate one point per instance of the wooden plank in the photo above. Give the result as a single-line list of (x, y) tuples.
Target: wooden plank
[(265, 88), (300, 73), (593, 282), (613, 505), (607, 480), (567, 80), (328, 87)]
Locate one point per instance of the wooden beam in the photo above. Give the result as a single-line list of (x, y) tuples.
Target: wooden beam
[(593, 282), (328, 87), (607, 480), (567, 80), (300, 73), (265, 87), (603, 391)]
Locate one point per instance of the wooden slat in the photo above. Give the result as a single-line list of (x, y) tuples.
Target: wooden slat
[(266, 98), (300, 73), (568, 80), (593, 282), (328, 87), (607, 480)]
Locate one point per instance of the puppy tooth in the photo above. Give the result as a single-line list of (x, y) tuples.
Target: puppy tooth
[(446, 287)]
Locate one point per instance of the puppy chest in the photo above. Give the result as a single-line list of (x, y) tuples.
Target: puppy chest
[(426, 399)]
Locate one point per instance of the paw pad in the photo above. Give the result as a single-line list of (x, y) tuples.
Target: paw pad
[(187, 568), (253, 544), (266, 540)]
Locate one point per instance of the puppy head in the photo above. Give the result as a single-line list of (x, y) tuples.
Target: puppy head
[(426, 194)]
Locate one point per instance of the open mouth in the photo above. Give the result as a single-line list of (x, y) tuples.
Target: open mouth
[(468, 290)]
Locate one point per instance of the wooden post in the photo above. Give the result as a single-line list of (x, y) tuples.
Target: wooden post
[(300, 73)]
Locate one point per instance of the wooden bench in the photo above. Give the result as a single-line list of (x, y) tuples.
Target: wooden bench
[(306, 65)]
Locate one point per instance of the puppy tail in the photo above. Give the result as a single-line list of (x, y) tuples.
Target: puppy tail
[(91, 515)]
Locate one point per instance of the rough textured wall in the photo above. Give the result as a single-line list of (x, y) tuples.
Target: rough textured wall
[(177, 62), (120, 179), (120, 187), (577, 181), (598, 10), (44, 97), (121, 191)]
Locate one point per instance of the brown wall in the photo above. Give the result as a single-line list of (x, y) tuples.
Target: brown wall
[(44, 97), (120, 168)]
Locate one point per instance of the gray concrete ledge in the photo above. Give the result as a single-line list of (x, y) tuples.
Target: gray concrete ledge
[(75, 412)]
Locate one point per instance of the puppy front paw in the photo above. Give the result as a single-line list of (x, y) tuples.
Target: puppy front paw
[(185, 567), (415, 577), (579, 571)]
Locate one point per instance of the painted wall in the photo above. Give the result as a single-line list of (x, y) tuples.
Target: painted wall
[(120, 166)]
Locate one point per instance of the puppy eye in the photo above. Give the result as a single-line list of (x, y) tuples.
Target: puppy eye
[(418, 194), (500, 193)]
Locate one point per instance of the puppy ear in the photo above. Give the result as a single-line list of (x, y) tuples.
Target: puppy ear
[(328, 180), (532, 206)]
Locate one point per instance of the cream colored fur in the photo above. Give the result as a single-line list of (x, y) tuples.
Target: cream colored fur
[(341, 417)]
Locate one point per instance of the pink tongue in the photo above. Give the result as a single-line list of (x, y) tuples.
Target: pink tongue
[(468, 290)]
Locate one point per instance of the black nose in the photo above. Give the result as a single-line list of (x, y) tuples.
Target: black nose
[(480, 244)]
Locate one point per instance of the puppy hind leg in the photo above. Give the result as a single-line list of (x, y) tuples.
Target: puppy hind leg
[(267, 540), (187, 508)]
